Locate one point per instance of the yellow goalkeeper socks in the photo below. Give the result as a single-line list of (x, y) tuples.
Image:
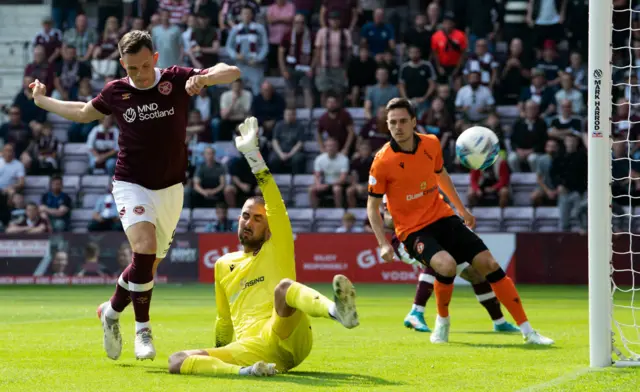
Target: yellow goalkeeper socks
[(309, 301), (204, 364)]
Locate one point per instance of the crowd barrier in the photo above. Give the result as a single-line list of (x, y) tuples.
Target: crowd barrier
[(98, 258)]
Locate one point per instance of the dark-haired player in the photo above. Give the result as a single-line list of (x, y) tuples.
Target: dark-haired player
[(409, 170), (150, 106)]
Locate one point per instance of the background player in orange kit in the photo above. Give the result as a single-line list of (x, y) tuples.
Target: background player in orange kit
[(410, 171)]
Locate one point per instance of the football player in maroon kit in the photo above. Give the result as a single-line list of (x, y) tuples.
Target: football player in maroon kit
[(150, 106)]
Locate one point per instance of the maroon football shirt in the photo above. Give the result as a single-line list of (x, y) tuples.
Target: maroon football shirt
[(153, 127)]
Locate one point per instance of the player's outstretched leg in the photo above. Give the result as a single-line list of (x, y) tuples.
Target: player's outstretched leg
[(200, 362), (507, 294), (424, 289), (311, 302), (109, 315), (487, 298)]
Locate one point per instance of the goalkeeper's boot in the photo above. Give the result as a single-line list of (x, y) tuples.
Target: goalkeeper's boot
[(111, 340), (505, 327), (143, 346), (440, 332), (534, 337), (263, 369), (415, 320), (344, 296)]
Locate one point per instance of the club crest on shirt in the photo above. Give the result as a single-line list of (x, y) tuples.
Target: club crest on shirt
[(165, 88), (138, 210)]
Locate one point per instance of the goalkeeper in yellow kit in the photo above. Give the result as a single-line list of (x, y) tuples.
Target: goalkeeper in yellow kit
[(263, 326)]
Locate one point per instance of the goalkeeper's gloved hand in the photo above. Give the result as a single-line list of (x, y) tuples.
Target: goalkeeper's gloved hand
[(247, 144)]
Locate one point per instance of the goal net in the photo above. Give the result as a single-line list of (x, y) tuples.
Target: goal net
[(614, 183)]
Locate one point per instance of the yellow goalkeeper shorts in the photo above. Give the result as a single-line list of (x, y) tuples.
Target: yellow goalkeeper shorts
[(285, 341)]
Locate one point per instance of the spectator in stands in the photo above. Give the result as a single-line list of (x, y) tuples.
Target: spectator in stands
[(40, 68), (490, 186), (481, 22), (29, 111), (546, 194), (379, 94), (375, 131), (198, 130), (268, 107), (493, 122), (209, 8), (295, 55), (11, 173), (565, 123), (623, 171), (105, 214), (82, 38), (167, 41), (231, 14), (243, 183), (108, 43), (12, 209), (578, 71), (481, 60), (78, 132), (332, 55), (474, 101), (546, 17), (366, 9), (515, 23), (344, 11), (287, 155), (69, 73), (222, 224), (64, 13), (568, 92), (109, 9), (378, 35), (417, 80), (359, 178), (349, 224), (56, 205), (570, 176), (235, 106), (448, 45), (337, 124), (515, 74), (92, 265), (330, 175), (625, 125), (32, 223), (279, 20), (41, 157), (248, 46), (389, 62), (178, 10), (207, 107), (59, 264), (188, 42), (102, 144), (419, 36), (397, 13), (104, 63), (209, 181), (361, 74), (16, 132), (540, 93), (438, 121), (528, 138), (550, 64), (205, 47), (444, 93), (50, 38)]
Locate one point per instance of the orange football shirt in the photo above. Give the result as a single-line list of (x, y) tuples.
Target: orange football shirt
[(410, 181)]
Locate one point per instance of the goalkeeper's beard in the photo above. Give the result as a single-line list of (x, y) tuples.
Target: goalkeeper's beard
[(249, 242)]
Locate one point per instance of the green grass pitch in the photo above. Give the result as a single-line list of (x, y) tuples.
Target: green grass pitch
[(51, 340)]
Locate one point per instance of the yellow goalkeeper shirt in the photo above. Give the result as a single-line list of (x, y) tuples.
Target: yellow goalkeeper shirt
[(245, 282)]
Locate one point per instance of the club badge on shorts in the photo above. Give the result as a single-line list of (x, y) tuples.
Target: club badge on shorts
[(419, 247), (138, 210), (165, 88)]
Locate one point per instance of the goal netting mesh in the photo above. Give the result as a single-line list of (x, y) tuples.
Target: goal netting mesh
[(625, 180)]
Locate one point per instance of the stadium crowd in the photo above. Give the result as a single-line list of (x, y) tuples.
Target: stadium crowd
[(515, 66)]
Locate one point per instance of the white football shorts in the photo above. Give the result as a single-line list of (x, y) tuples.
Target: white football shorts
[(161, 207)]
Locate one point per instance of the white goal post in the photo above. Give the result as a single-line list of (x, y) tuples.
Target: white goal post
[(614, 332)]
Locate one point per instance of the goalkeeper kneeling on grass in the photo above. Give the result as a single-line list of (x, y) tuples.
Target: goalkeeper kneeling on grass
[(258, 300)]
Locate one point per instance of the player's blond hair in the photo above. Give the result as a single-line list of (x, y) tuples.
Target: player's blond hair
[(134, 41)]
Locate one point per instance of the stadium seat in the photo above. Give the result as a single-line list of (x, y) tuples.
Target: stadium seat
[(302, 182), (301, 199), (200, 217), (517, 219), (71, 184), (284, 182), (80, 218), (301, 219), (185, 220), (358, 116), (75, 158), (359, 213), (461, 181), (547, 219), (488, 219), (95, 184), (311, 147), (234, 213), (225, 151), (76, 150), (328, 219), (36, 185), (522, 185), (61, 134), (75, 167), (89, 200), (33, 198)]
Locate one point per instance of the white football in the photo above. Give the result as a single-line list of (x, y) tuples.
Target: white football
[(477, 148)]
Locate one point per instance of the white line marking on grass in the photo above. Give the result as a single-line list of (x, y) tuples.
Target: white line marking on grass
[(558, 380), (44, 321)]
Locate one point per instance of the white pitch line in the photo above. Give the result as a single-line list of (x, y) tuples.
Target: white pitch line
[(558, 380), (9, 323)]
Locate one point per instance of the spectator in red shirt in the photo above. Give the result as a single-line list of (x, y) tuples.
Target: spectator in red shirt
[(337, 124), (40, 68), (449, 46), (490, 186), (50, 38)]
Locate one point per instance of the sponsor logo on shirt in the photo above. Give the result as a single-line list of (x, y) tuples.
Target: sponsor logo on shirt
[(244, 284), (146, 112)]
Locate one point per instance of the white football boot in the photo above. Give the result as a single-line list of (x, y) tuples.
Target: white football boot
[(344, 296), (440, 332), (263, 369), (112, 340), (534, 337), (144, 345)]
